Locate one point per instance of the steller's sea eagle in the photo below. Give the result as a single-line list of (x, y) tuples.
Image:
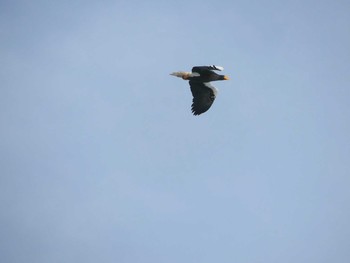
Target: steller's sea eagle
[(203, 92)]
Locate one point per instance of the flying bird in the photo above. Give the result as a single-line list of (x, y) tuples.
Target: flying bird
[(203, 92)]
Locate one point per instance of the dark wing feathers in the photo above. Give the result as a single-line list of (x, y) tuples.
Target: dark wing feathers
[(203, 97), (200, 69)]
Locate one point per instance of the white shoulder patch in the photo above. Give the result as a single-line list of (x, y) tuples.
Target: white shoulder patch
[(218, 67), (215, 90), (195, 74)]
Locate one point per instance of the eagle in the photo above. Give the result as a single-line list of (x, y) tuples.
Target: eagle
[(203, 92)]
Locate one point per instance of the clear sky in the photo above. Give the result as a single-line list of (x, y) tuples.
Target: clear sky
[(101, 159)]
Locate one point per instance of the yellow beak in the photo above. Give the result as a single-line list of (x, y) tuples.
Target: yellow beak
[(226, 78)]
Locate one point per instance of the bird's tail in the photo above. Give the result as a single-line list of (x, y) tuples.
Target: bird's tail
[(181, 74)]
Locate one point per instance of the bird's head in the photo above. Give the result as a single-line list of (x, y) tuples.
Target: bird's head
[(224, 77), (214, 77)]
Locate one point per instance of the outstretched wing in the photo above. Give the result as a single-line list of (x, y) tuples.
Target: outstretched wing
[(201, 69), (204, 95)]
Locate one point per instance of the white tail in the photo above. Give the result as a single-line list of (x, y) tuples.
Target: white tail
[(181, 74)]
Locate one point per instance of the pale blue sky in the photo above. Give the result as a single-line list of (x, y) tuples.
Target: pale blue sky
[(101, 159)]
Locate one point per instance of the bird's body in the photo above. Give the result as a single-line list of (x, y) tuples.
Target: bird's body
[(203, 92)]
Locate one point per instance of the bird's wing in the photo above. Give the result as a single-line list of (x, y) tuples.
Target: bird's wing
[(204, 95), (201, 69)]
